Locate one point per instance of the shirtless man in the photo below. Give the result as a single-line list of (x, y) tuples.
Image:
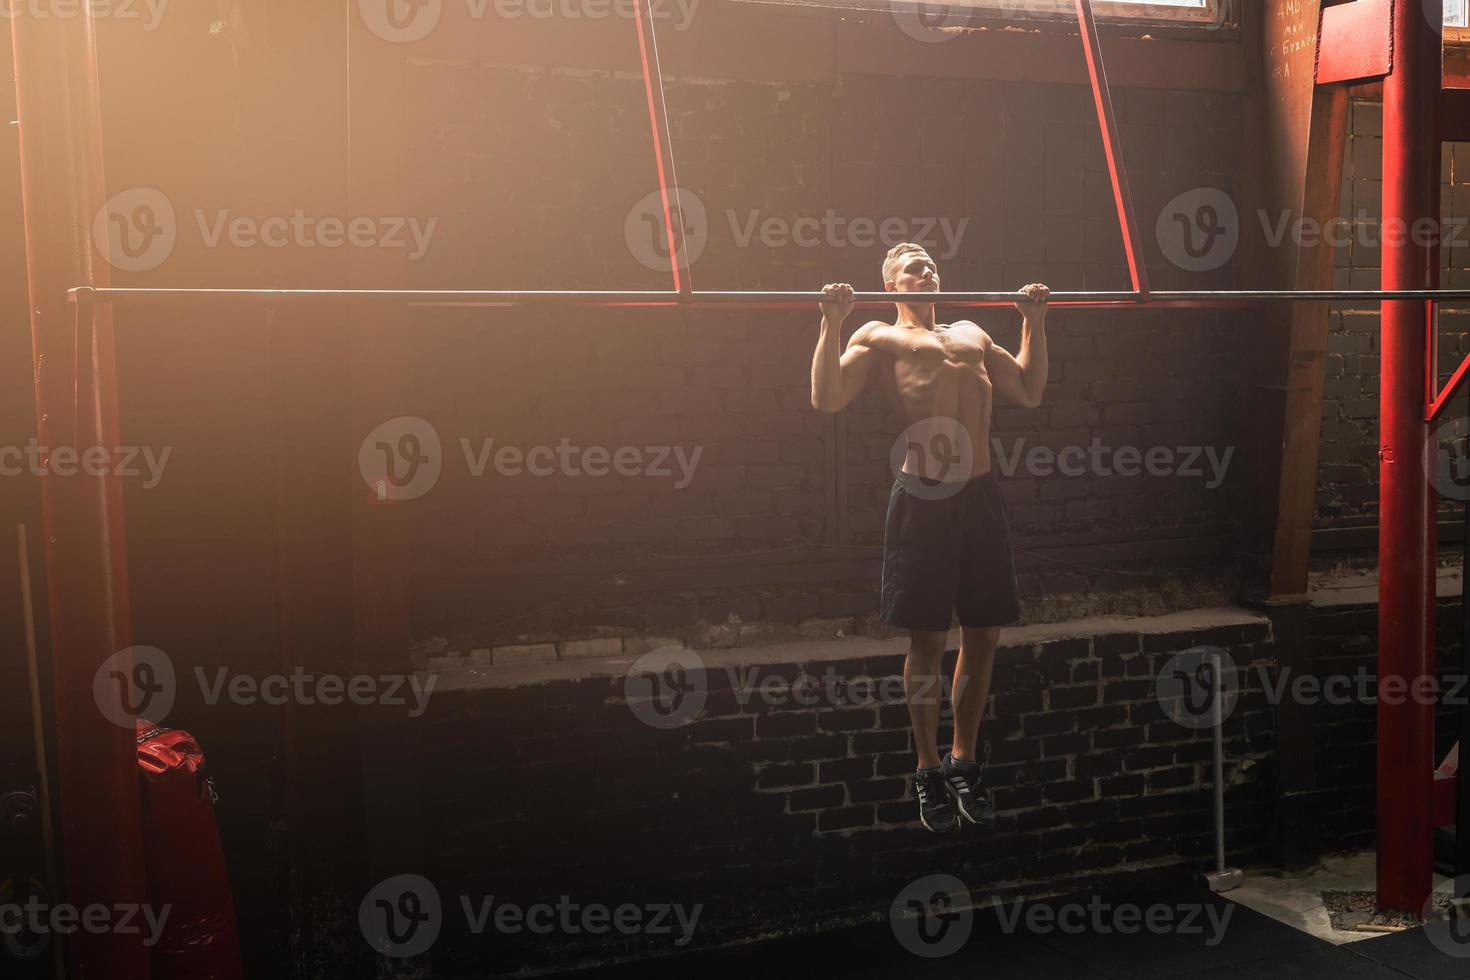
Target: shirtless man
[(946, 542)]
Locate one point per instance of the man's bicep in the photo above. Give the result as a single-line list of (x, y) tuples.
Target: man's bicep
[(1005, 374)]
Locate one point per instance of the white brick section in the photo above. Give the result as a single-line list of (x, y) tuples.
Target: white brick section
[(525, 653), (604, 646)]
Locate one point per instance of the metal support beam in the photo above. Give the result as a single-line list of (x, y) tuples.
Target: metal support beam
[(1411, 163), (754, 299), (86, 558)]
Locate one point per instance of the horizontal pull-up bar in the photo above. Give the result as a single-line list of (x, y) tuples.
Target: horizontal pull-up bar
[(708, 299)]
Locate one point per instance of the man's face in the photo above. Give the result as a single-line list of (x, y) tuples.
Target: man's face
[(917, 273)]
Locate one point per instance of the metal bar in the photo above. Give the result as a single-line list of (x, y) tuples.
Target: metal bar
[(1108, 124), (98, 803), (1405, 761), (663, 150), (490, 299)]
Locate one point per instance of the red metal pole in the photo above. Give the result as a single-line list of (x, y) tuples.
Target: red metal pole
[(1107, 122), (86, 573), (1411, 161)]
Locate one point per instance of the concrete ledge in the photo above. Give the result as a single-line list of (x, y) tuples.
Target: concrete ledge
[(474, 677)]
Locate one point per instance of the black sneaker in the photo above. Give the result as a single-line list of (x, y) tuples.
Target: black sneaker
[(935, 811), (962, 782)]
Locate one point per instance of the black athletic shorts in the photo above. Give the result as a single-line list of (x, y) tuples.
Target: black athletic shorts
[(947, 549)]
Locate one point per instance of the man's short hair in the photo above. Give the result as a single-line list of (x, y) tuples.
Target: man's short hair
[(894, 261)]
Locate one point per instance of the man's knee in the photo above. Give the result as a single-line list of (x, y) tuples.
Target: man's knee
[(926, 648)]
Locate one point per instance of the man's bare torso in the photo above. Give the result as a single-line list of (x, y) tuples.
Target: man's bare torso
[(943, 394)]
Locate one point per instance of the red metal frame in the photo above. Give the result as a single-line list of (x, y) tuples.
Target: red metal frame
[(1355, 41), (663, 152), (1406, 524), (1107, 122), (61, 173)]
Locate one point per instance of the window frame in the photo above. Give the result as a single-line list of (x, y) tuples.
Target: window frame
[(1214, 15)]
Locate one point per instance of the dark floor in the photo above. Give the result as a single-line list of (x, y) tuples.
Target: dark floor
[(1249, 945)]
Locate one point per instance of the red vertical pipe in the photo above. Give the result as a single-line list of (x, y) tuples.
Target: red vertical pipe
[(1411, 162), (1107, 122), (62, 189)]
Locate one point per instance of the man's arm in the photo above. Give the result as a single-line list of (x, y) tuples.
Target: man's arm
[(838, 378), (1021, 379)]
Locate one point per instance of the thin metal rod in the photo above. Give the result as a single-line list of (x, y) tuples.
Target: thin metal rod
[(1217, 726), (663, 149), (38, 734), (708, 299)]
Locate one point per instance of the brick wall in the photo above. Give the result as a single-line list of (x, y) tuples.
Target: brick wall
[(803, 813), (1347, 480), (1345, 643)]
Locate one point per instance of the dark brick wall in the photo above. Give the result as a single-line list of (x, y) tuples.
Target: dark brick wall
[(1347, 476), (1344, 643), (804, 814)]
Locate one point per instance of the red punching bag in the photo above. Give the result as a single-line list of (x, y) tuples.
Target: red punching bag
[(186, 865)]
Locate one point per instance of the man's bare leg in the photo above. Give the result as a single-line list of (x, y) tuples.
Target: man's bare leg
[(972, 688), (924, 692)]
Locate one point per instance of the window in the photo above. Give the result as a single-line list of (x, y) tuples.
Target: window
[(1457, 13), (1151, 11)]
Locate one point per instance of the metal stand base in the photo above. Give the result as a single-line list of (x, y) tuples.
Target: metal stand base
[(1224, 881)]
